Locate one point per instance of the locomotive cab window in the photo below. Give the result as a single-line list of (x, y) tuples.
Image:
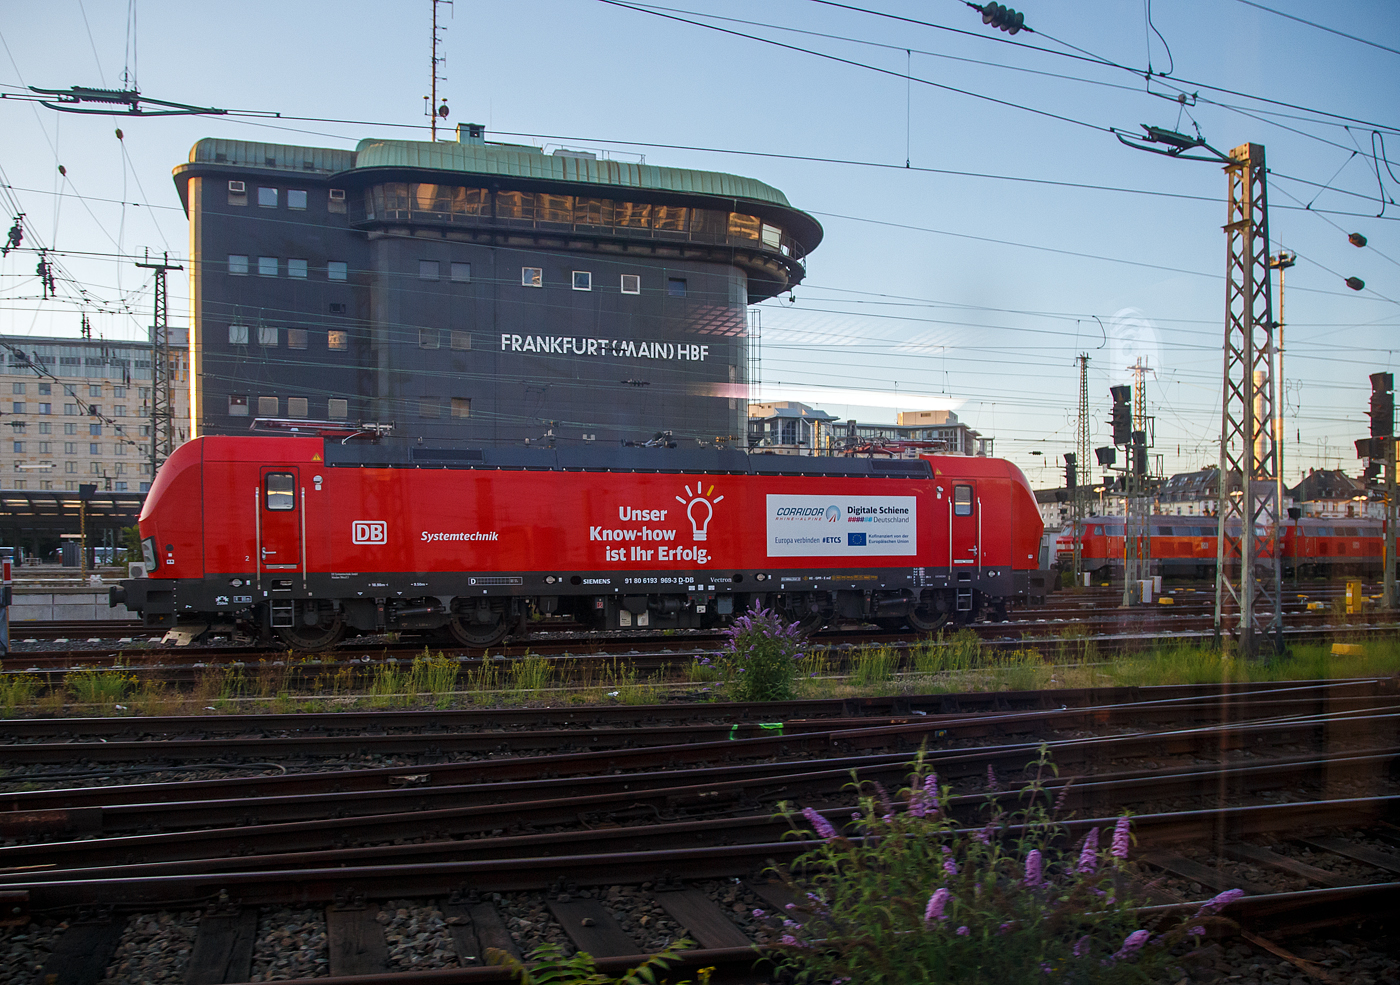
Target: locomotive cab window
[(962, 501), (280, 488)]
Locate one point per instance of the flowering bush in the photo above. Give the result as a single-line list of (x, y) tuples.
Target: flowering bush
[(910, 896), (759, 661)]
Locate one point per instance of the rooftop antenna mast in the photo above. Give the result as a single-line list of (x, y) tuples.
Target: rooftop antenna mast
[(433, 108)]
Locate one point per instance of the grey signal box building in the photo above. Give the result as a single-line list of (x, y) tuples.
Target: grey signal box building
[(476, 292)]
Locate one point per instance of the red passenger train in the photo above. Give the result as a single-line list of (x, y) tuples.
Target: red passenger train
[(309, 538), (1185, 546)]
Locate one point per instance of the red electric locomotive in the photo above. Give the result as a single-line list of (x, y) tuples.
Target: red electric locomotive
[(310, 538)]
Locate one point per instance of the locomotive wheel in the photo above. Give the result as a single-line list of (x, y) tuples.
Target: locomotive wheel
[(321, 636), (468, 632), (927, 619)]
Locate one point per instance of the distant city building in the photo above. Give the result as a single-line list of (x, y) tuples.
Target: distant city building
[(1192, 493), (488, 293), (791, 428), (79, 412), (1333, 493), (788, 428)]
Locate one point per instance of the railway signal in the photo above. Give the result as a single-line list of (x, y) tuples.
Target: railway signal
[(1121, 416), (1382, 405), (1071, 472)]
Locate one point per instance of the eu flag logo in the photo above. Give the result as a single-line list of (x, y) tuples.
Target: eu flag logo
[(855, 540)]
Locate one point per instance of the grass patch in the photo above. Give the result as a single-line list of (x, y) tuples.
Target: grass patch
[(18, 693), (100, 688)]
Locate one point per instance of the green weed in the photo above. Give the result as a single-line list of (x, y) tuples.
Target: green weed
[(102, 688), (17, 692)]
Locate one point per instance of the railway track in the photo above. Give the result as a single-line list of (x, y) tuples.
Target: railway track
[(562, 827)]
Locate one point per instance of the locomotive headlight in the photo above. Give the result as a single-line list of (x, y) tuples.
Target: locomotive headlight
[(550, 579), (148, 553)]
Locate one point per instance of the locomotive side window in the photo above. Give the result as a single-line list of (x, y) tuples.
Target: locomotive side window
[(280, 489), (962, 501)]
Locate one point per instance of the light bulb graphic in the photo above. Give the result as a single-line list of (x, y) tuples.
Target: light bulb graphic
[(699, 518), (699, 509)]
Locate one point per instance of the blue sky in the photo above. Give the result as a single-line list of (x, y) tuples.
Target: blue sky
[(936, 285)]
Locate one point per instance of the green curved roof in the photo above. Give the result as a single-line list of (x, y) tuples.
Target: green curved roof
[(529, 162)]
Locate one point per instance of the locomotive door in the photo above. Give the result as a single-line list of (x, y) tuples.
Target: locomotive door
[(964, 541), (280, 523)]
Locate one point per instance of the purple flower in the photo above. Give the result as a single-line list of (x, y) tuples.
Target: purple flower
[(1132, 944), (1063, 798), (936, 903), (1033, 874), (757, 914), (1081, 946), (1197, 931), (963, 931), (884, 799), (984, 836), (950, 867), (1120, 839), (819, 824), (992, 783), (1217, 903), (1089, 854), (1004, 927)]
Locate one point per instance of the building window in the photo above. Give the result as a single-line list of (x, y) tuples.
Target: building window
[(428, 269), (296, 198), (45, 427), (337, 270), (70, 408), (267, 198), (335, 202), (18, 406), (296, 406), (120, 487), (237, 405), (237, 193), (95, 468), (70, 429), (461, 407), (429, 407), (631, 283), (46, 408), (267, 266), (45, 389), (16, 387), (337, 408), (583, 280), (237, 265), (45, 447), (461, 273), (675, 287), (70, 467), (772, 236), (427, 338), (267, 406), (94, 448), (45, 484), (337, 339), (296, 268), (531, 277), (70, 448), (94, 391), (119, 391), (21, 483), (296, 338), (238, 334), (19, 447), (120, 449), (267, 335), (461, 340), (119, 410)]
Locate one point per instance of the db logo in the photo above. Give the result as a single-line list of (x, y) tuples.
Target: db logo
[(370, 532)]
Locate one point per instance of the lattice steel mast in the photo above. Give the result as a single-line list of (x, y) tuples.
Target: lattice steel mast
[(162, 370), (1248, 563), (1085, 487)]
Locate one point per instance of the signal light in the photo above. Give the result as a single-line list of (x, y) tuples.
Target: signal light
[(1382, 405), (1071, 471), (1356, 283), (1107, 456), (1369, 448), (1357, 240), (1002, 16), (1140, 453), (1121, 416)]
